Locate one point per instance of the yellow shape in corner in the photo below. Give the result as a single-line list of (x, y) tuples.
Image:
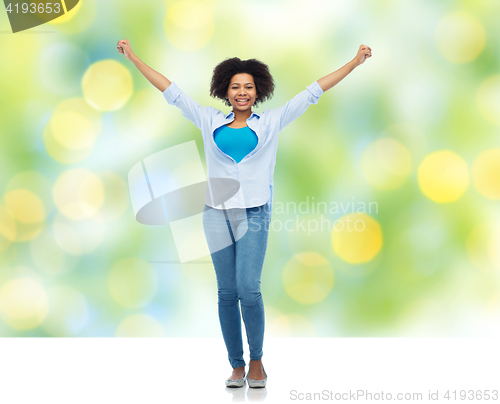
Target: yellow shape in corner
[(64, 6)]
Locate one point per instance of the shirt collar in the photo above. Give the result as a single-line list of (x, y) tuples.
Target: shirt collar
[(232, 113)]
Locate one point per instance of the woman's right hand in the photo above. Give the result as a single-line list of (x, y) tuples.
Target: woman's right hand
[(123, 46)]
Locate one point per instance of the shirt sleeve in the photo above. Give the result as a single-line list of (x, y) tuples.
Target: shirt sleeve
[(189, 108), (298, 104)]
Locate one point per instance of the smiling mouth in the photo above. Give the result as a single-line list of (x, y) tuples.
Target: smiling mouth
[(242, 102)]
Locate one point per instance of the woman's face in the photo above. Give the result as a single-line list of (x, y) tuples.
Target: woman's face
[(241, 86)]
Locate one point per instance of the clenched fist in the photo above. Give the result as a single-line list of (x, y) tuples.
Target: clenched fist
[(364, 52), (123, 46)]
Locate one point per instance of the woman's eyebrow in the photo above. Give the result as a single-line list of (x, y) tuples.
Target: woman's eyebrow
[(239, 83)]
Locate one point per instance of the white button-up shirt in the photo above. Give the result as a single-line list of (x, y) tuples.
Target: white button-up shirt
[(255, 171)]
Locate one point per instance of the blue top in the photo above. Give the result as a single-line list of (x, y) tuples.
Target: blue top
[(255, 171), (236, 143)]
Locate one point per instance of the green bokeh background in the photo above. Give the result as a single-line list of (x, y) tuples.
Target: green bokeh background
[(434, 276)]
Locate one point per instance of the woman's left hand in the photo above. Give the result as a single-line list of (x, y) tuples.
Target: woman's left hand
[(364, 52)]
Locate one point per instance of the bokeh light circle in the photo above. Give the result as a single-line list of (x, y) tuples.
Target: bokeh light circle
[(35, 182), (486, 174), (312, 236), (23, 303), (78, 19), (386, 163), (443, 176), (308, 277), (415, 250), (24, 215), (49, 257), (8, 228), (460, 37), (107, 85), (494, 247), (356, 238), (25, 206), (78, 193), (66, 17), (72, 131), (483, 246), (116, 196), (189, 25), (78, 237), (488, 99)]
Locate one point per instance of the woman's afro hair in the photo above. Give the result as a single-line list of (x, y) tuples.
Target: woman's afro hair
[(224, 71)]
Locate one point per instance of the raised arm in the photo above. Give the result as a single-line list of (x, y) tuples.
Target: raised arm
[(299, 104), (172, 93), (332, 79), (156, 79)]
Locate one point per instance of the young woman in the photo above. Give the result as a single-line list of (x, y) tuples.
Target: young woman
[(240, 149)]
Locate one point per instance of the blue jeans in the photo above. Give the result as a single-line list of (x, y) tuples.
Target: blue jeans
[(237, 239)]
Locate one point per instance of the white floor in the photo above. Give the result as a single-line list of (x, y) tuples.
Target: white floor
[(193, 370)]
